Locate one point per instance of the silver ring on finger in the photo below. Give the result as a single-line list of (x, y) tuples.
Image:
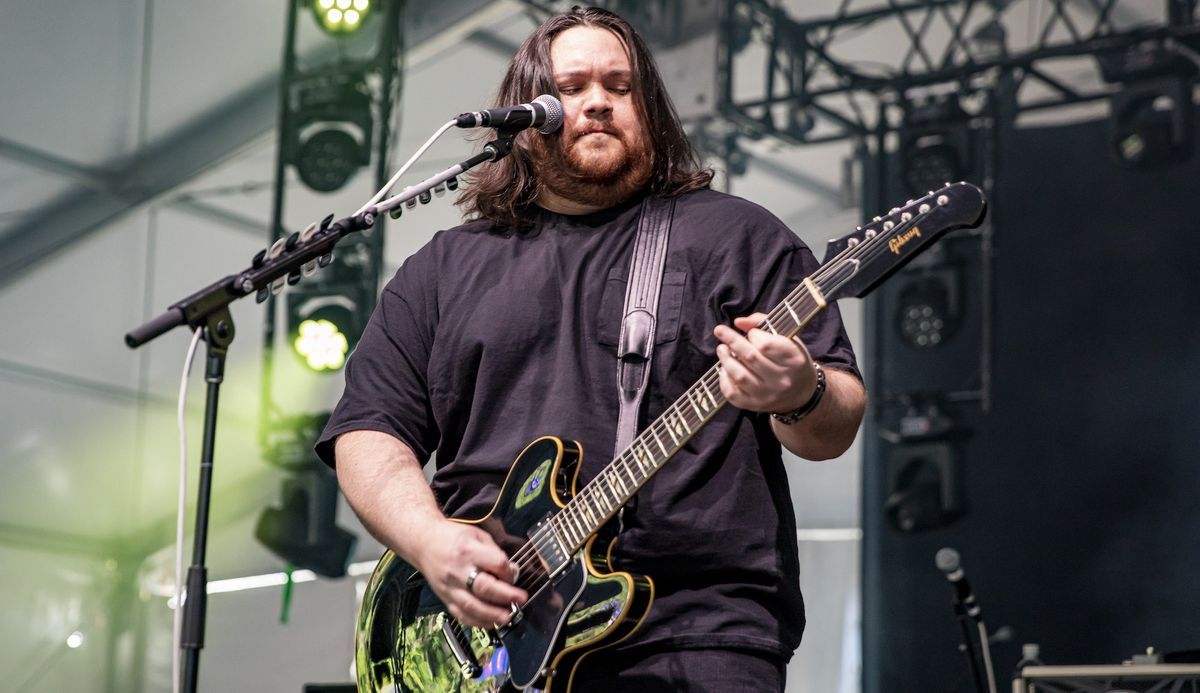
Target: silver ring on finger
[(471, 580)]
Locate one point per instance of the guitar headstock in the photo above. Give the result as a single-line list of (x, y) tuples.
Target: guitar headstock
[(859, 261)]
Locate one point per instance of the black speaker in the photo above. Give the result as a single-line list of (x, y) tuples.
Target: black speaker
[(1073, 502)]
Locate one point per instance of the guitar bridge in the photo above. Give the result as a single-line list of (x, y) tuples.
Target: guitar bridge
[(460, 647)]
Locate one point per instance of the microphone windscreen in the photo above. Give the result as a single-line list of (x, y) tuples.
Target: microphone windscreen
[(947, 560), (554, 113)]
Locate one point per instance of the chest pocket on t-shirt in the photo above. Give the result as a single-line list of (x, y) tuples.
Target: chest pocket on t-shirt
[(670, 302)]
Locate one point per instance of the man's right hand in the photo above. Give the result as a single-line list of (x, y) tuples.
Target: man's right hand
[(383, 482), (448, 555)]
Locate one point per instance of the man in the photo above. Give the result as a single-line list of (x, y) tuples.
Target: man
[(505, 328)]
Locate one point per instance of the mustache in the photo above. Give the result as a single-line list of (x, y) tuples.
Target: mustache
[(606, 129)]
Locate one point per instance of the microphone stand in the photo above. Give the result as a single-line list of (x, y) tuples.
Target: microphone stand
[(208, 310), (968, 646)]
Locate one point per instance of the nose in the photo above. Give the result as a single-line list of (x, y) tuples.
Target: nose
[(596, 102)]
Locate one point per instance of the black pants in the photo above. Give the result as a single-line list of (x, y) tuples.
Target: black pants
[(685, 671)]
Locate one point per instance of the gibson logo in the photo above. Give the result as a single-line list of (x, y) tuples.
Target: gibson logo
[(898, 242)]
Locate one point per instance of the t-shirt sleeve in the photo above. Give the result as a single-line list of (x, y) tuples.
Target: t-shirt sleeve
[(780, 263), (386, 376)]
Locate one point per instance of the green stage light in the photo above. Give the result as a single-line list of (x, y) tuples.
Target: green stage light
[(341, 16), (326, 320), (322, 345)]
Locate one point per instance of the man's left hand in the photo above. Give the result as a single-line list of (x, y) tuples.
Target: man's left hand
[(761, 371)]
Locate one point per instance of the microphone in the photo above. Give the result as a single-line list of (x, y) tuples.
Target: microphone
[(545, 113), (948, 561)]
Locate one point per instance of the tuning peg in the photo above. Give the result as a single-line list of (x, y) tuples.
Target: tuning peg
[(452, 183), (309, 231), (275, 251), (325, 259), (396, 212), (425, 197)]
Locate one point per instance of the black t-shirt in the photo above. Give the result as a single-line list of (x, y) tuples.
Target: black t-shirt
[(484, 341)]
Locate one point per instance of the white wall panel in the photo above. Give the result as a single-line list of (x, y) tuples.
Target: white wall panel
[(71, 315), (81, 112), (67, 460)]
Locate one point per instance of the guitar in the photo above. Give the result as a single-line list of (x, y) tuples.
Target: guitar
[(559, 535)]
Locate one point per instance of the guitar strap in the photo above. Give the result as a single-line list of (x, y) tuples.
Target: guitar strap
[(635, 347)]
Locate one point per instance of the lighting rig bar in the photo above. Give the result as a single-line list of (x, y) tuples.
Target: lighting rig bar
[(826, 79), (829, 78)]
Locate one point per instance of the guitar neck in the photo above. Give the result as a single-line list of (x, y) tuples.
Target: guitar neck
[(617, 483)]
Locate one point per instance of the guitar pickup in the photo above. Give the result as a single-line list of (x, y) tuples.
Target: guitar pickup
[(549, 547)]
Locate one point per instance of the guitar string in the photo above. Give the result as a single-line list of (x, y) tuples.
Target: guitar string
[(528, 560)]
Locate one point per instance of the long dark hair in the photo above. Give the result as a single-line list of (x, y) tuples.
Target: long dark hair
[(504, 192)]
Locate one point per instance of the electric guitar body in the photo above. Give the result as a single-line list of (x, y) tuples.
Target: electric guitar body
[(409, 643)]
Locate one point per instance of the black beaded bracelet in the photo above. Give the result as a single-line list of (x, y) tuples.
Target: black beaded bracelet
[(791, 417)]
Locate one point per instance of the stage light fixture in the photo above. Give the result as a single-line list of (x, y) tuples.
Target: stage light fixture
[(303, 529), (930, 162), (1151, 115), (323, 329), (341, 17), (326, 160), (1152, 122), (934, 144), (333, 129), (928, 312), (322, 345), (924, 470)]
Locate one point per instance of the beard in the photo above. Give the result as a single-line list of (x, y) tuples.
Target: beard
[(598, 174)]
